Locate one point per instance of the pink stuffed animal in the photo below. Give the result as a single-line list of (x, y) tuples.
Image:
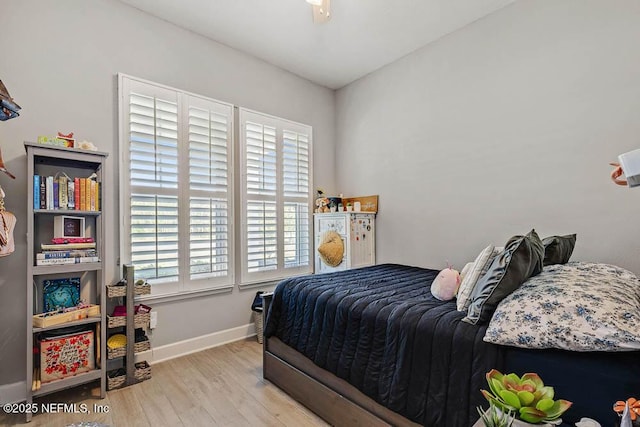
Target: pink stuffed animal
[(445, 285)]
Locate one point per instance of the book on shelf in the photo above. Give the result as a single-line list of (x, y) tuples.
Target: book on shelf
[(76, 189), (62, 187), (71, 194), (36, 191), (64, 261), (62, 192), (43, 192), (67, 254), (49, 192), (66, 246), (87, 194), (56, 194)]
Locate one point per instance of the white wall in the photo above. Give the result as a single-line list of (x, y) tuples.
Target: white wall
[(502, 126), (59, 60)]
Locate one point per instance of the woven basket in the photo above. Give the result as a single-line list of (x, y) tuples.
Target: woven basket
[(141, 346), (113, 353), (116, 321), (114, 291), (143, 289), (257, 319), (116, 382), (143, 371), (140, 320)]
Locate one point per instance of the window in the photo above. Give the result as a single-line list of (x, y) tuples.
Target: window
[(275, 196), (176, 187)]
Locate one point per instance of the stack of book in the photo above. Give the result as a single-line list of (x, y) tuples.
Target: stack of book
[(67, 253), (62, 192)]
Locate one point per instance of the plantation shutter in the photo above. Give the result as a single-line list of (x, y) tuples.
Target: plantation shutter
[(295, 187), (176, 186), (261, 175), (276, 165), (153, 171), (209, 134)]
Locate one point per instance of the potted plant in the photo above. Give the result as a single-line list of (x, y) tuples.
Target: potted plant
[(493, 417), (527, 396), (348, 206)]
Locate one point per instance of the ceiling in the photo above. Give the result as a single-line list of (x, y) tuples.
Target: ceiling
[(362, 35)]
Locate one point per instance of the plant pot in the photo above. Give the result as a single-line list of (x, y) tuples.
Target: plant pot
[(520, 423)]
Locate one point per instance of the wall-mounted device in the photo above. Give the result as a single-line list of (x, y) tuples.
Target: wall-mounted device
[(630, 163)]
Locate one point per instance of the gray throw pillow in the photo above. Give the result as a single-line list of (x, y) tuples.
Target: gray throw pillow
[(558, 249), (522, 258)]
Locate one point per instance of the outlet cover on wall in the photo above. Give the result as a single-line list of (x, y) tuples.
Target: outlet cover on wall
[(154, 320)]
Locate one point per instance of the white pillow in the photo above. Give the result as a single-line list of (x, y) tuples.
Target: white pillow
[(465, 270), (480, 266)]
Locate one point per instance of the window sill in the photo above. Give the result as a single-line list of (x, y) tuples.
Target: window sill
[(265, 283), (158, 299)]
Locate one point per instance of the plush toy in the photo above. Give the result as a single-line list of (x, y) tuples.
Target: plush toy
[(322, 204), (445, 285)]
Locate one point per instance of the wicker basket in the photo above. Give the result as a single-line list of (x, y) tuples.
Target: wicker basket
[(140, 320), (114, 291), (143, 371), (113, 353), (141, 346), (143, 289), (115, 382), (257, 319)]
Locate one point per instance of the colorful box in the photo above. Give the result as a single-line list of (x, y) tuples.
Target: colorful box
[(66, 355)]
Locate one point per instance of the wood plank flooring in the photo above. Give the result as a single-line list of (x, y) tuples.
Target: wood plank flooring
[(220, 386)]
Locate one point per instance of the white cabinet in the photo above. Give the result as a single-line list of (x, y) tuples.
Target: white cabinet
[(358, 233)]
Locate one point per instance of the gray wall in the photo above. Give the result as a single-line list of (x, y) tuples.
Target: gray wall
[(59, 60), (504, 125)]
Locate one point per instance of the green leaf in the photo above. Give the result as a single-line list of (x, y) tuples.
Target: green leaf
[(531, 415), (511, 381), (558, 408), (496, 386), (535, 378), (528, 385), (547, 392), (526, 398), (544, 405), (510, 398)]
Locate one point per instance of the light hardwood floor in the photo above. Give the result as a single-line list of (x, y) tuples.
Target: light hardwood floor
[(220, 386)]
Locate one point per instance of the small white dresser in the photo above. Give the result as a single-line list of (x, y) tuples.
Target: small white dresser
[(358, 232)]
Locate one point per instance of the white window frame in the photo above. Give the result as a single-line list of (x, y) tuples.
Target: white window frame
[(184, 286), (246, 277)]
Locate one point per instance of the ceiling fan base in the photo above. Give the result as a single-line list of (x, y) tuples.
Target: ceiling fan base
[(322, 13)]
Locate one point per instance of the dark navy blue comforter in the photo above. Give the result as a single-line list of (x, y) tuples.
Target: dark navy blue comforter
[(380, 329)]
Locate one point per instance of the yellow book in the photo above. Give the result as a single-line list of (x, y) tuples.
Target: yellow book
[(97, 196), (87, 194), (93, 187), (83, 203)]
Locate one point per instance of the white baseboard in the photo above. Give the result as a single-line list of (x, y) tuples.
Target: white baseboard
[(193, 345), (14, 392)]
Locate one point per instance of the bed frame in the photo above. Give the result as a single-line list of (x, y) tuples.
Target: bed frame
[(330, 397)]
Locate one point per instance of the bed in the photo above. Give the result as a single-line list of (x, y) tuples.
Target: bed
[(372, 346)]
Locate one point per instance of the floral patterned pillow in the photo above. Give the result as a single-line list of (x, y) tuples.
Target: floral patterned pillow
[(576, 306)]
